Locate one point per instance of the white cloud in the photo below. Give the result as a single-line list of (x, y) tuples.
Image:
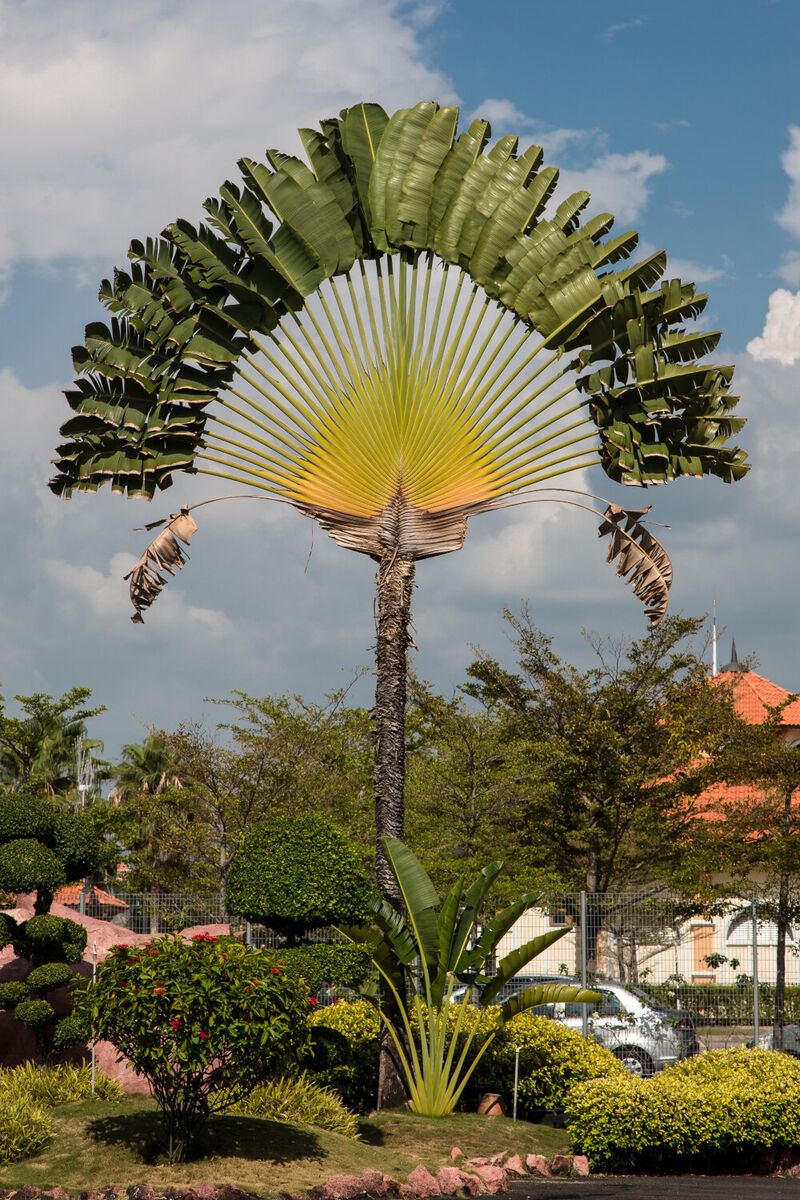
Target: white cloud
[(622, 26), (618, 183), (118, 118), (780, 339), (789, 269), (687, 268), (789, 216)]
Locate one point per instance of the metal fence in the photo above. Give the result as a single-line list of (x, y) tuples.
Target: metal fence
[(721, 967)]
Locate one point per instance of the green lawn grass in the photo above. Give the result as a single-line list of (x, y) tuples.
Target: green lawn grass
[(98, 1143)]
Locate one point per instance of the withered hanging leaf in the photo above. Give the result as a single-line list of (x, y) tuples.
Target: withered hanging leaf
[(643, 561), (163, 554)]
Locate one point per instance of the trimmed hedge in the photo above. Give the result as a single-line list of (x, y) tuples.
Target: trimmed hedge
[(45, 938), (344, 1052), (295, 874), (23, 816), (13, 993), (728, 1003), (50, 975), (26, 864), (722, 1110), (338, 964)]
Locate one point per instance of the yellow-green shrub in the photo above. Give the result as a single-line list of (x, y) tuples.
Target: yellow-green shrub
[(344, 1052), (301, 1100), (62, 1084), (24, 1127), (726, 1111)]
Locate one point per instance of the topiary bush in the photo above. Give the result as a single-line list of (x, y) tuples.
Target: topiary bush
[(24, 1127), (49, 976), (25, 816), (324, 963), (203, 1021), (301, 1099), (47, 938), (721, 1115), (72, 1030), (13, 993), (296, 874), (35, 1014), (26, 865)]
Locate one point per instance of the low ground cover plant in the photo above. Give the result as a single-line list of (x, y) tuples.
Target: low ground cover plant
[(721, 1110), (302, 1101), (28, 1091), (203, 1021)]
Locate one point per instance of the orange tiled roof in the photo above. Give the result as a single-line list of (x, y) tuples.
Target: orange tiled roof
[(72, 896), (753, 695)]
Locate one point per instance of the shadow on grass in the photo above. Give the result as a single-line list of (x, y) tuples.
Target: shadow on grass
[(257, 1139), (371, 1134)]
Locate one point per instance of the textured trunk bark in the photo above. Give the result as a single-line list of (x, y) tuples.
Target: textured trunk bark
[(780, 965), (395, 583)]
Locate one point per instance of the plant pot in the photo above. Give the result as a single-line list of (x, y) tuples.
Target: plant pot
[(492, 1105)]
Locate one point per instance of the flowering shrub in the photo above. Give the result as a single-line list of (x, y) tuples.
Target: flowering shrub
[(204, 1022)]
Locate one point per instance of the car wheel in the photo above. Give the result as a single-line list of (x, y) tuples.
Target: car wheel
[(634, 1060)]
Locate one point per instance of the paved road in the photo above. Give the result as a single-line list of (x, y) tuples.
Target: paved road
[(659, 1187)]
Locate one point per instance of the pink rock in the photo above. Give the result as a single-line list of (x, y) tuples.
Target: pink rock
[(56, 1193), (476, 1162), (320, 1192), (452, 1181), (537, 1165), (514, 1164), (407, 1192), (561, 1165), (204, 1190), (140, 1191), (391, 1186), (424, 1183), (456, 1153), (496, 1160), (580, 1165), (495, 1178), (372, 1182), (345, 1187)]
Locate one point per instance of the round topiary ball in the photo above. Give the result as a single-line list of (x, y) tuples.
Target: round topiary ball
[(71, 1031), (25, 865), (8, 928), (48, 976), (294, 874), (47, 938), (13, 993), (34, 1013), (24, 816)]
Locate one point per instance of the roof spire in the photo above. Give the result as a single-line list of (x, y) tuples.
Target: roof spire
[(734, 664)]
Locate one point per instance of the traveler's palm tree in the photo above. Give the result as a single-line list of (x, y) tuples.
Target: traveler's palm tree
[(402, 334)]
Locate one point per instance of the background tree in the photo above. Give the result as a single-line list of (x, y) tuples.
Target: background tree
[(487, 343), (38, 748), (616, 756)]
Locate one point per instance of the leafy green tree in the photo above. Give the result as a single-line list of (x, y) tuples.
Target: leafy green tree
[(422, 337), (617, 755), (38, 748)]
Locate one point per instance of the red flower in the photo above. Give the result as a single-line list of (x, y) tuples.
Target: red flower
[(175, 1023), (312, 1000), (133, 958), (122, 984), (274, 970), (204, 1035), (158, 991)]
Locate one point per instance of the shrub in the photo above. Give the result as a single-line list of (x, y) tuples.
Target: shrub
[(46, 938), (552, 1060), (303, 1100), (344, 1052), (72, 1030), (76, 843), (35, 1014), (24, 1128), (724, 1115), (203, 1021), (13, 993), (61, 1084), (8, 928), (48, 976), (27, 865), (295, 874), (23, 816), (320, 963)]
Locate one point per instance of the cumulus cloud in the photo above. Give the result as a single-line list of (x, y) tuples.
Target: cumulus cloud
[(619, 183), (121, 117), (780, 339), (789, 216)]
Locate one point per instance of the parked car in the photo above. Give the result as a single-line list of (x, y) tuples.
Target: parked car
[(791, 1040), (644, 1035)]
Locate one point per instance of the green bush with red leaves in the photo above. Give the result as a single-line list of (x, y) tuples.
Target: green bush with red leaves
[(203, 1021)]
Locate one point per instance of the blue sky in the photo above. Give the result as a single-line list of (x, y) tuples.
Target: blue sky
[(684, 120)]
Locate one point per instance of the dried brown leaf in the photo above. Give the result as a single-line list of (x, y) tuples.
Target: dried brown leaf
[(162, 554), (643, 561)]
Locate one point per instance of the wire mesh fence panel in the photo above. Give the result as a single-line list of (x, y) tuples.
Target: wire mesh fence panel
[(653, 944)]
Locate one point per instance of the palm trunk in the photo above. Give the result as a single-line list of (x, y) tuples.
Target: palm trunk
[(395, 582)]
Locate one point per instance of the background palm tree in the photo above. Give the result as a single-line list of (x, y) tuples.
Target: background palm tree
[(424, 335)]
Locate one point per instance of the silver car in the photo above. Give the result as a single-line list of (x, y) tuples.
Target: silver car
[(643, 1039)]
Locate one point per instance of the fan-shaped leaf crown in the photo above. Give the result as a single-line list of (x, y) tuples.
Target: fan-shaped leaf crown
[(403, 331)]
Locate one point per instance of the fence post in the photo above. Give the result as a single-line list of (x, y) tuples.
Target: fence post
[(248, 934), (94, 1040), (584, 948), (756, 1006)]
